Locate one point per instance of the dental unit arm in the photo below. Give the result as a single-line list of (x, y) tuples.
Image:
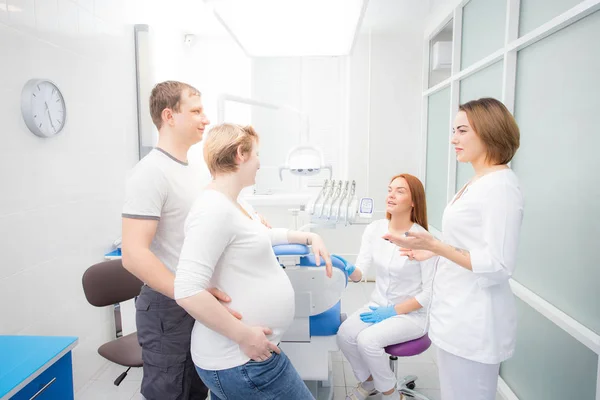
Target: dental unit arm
[(320, 204), (335, 205), (352, 207), (327, 206), (310, 206)]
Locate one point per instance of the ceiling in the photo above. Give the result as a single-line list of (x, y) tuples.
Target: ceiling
[(194, 16), (395, 15)]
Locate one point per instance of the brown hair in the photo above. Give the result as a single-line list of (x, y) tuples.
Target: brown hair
[(418, 213), (496, 126), (222, 143), (168, 95)]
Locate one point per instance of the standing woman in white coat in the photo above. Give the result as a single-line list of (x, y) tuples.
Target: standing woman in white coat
[(397, 311), (473, 317)]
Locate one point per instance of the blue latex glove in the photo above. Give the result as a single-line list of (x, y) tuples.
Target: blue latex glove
[(350, 269), (378, 314)]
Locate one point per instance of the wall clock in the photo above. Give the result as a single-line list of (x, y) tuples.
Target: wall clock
[(43, 107)]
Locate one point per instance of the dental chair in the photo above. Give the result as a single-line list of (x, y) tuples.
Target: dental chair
[(312, 335)]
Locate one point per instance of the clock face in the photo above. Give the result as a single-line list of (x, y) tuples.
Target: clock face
[(43, 108)]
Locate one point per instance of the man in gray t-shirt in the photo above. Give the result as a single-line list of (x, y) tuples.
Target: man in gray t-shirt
[(160, 192)]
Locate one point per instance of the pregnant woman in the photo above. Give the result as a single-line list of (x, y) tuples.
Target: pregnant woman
[(226, 248)]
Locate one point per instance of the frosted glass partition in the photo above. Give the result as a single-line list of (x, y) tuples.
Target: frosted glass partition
[(438, 134), (464, 172), (535, 13), (549, 363), (557, 108), (482, 30), (485, 83)]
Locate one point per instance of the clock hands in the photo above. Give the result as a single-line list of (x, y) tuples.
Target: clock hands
[(49, 116)]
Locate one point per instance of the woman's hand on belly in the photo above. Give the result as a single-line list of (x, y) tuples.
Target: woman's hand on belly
[(254, 343)]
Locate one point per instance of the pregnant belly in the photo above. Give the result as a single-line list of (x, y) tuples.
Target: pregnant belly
[(266, 301)]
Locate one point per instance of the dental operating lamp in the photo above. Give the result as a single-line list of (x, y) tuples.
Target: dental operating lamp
[(302, 160)]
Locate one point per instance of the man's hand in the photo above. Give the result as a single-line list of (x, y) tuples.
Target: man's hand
[(255, 344), (223, 298)]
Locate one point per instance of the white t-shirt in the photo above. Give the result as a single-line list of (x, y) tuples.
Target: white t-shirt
[(224, 248), (473, 313), (397, 278), (162, 188)]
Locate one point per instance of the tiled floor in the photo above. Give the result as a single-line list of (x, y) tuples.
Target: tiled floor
[(424, 366), (101, 386)]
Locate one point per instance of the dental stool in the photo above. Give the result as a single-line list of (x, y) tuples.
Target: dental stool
[(311, 338), (109, 283), (411, 348)]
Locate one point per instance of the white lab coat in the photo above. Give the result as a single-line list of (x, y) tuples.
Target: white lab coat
[(398, 279), (473, 312)]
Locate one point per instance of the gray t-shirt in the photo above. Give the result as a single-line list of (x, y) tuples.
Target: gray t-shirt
[(162, 188)]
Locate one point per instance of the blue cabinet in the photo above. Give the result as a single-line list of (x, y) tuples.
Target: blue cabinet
[(36, 367)]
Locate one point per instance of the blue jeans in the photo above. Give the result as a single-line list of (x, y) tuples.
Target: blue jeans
[(273, 379)]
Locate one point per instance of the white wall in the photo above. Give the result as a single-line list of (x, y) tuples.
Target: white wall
[(312, 85), (61, 197), (213, 65), (365, 110), (438, 11), (395, 109), (384, 120)]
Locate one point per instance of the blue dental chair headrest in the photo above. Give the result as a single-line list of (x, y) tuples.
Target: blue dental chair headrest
[(307, 259)]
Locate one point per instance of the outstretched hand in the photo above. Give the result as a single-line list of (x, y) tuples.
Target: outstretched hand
[(417, 255), (411, 240)]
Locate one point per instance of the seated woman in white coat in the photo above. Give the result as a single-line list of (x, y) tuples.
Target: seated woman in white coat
[(226, 248), (397, 311)]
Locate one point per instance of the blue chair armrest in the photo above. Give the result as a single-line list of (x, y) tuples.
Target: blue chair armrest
[(291, 250)]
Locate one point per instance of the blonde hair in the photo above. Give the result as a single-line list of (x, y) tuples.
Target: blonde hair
[(496, 126), (222, 143)]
